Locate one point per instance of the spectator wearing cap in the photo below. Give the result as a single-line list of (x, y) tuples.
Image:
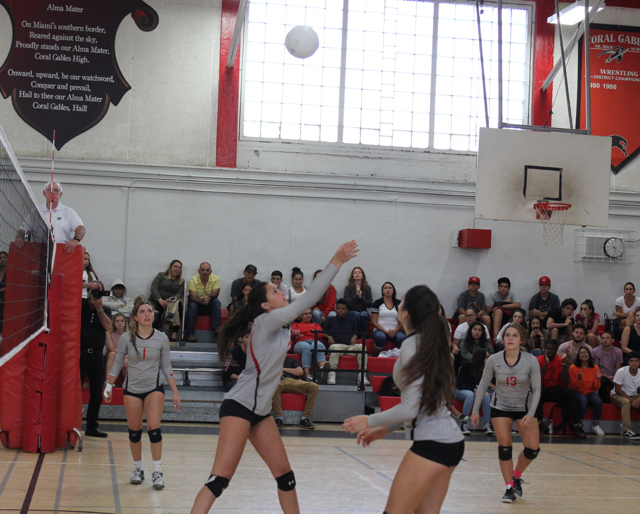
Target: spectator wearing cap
[(473, 299), (541, 303), (501, 304), (250, 272)]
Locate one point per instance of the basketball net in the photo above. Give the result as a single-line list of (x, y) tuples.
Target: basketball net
[(552, 215)]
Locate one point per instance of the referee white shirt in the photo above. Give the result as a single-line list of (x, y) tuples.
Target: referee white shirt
[(64, 221)]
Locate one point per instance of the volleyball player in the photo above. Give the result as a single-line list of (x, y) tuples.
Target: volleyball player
[(518, 388), (424, 373), (245, 411), (148, 352)]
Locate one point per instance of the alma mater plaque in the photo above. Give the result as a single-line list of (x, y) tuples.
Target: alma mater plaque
[(61, 71)]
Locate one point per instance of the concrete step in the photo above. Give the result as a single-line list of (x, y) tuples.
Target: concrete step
[(194, 359), (195, 347)]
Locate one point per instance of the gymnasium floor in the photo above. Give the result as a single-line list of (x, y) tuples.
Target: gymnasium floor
[(599, 475)]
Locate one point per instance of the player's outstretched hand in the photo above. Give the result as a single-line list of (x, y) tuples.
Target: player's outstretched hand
[(356, 424), (345, 253), (366, 437)]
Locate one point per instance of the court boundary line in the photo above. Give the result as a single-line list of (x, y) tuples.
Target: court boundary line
[(32, 485), (7, 475)]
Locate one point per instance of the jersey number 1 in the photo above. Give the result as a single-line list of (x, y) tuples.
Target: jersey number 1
[(512, 381)]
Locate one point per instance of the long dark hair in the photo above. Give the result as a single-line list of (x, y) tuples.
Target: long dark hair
[(236, 327), (393, 296), (578, 362), (477, 363), (469, 341), (432, 361)]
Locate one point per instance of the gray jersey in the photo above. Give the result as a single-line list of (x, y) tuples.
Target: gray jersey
[(153, 355), (518, 387), (419, 426), (268, 346)]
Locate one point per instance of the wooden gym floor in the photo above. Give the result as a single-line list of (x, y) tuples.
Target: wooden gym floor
[(599, 475)]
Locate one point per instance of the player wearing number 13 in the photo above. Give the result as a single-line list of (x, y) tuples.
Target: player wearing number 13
[(518, 388)]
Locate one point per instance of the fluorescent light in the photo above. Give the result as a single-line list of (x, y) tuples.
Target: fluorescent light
[(573, 13)]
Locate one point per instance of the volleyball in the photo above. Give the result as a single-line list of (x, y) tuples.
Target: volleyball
[(302, 41)]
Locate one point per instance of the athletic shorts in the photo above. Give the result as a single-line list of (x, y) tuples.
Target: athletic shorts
[(515, 415), (237, 410), (142, 396), (447, 454)]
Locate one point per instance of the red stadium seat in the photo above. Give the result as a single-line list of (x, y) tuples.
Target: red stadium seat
[(293, 401)]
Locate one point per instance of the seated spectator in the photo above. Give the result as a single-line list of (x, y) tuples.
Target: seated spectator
[(358, 295), (630, 341), (590, 319), (276, 280), (542, 302), (118, 301), (609, 359), (119, 325), (571, 347), (462, 328), (4, 262), (559, 322), (297, 289), (467, 382), (626, 305), (90, 279), (384, 316), (341, 335), (204, 289), (536, 336), (517, 317), (501, 304), (291, 383), (551, 370), (476, 339), (584, 380), (250, 272), (302, 332), (167, 288), (236, 362), (326, 306), (239, 304), (473, 299), (625, 394)]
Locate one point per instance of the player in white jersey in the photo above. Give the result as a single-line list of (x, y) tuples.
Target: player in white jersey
[(244, 413), (518, 389)]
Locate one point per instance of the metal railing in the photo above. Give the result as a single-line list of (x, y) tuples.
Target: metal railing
[(363, 351)]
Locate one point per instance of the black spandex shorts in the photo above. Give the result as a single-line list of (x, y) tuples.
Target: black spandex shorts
[(447, 454), (515, 415), (237, 410), (142, 396)]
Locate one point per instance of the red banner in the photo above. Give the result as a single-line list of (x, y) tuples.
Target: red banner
[(615, 90)]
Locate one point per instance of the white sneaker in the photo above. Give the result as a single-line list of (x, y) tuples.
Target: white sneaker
[(331, 378), (137, 477), (158, 481), (366, 380), (488, 430), (597, 430)]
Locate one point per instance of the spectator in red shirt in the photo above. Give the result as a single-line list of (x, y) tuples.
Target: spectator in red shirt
[(584, 379), (326, 306), (552, 389), (591, 320), (302, 332)]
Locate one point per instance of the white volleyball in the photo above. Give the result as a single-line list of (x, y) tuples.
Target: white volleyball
[(302, 41)]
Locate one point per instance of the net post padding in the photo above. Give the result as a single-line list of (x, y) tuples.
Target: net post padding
[(552, 215)]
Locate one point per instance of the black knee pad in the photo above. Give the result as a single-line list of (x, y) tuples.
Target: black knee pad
[(530, 454), (217, 485), (505, 452), (135, 435), (155, 436), (287, 482)]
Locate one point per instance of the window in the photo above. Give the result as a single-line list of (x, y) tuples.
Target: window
[(371, 81)]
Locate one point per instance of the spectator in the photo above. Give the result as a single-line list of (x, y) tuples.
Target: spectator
[(572, 347), (584, 380), (551, 367), (326, 306), (384, 316), (461, 330), (291, 383), (204, 289), (302, 332), (591, 319), (467, 382), (341, 335), (65, 222), (239, 304), (297, 289), (559, 322), (167, 288), (95, 320), (90, 281), (501, 304), (518, 317), (476, 339), (542, 302), (119, 325), (276, 280), (609, 359), (625, 394), (117, 301), (536, 336), (357, 293), (250, 272), (4, 263), (473, 299), (630, 340), (626, 305), (236, 362)]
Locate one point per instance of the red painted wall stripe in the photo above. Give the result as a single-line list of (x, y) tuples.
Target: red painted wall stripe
[(543, 44)]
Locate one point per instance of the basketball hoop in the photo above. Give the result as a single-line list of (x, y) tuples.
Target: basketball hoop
[(552, 215)]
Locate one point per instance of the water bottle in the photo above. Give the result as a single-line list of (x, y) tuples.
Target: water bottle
[(550, 427)]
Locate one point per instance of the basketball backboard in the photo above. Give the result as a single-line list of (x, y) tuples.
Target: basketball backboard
[(518, 168)]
